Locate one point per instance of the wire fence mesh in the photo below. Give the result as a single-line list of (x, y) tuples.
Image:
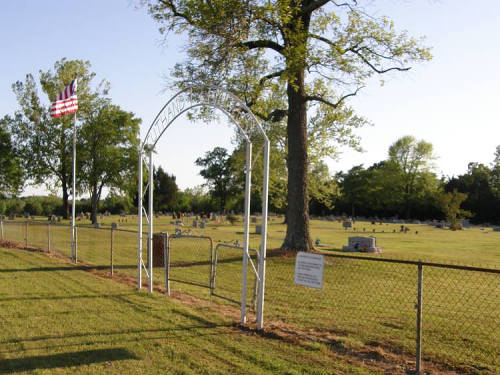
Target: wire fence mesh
[(227, 274), (364, 302)]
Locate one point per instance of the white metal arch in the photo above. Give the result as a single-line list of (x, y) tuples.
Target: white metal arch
[(247, 124)]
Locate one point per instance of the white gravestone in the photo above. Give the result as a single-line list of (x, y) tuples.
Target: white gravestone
[(309, 270), (364, 244)]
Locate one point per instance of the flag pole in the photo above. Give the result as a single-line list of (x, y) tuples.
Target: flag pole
[(73, 244)]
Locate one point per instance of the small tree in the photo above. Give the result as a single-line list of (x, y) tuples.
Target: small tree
[(11, 173), (450, 205), (166, 190), (107, 149), (218, 172), (414, 158)]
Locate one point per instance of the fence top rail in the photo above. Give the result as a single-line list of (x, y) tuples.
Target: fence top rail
[(413, 262), (170, 236), (235, 247), (65, 225)]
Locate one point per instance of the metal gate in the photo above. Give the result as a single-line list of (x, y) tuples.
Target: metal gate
[(189, 263), (193, 266), (227, 280)]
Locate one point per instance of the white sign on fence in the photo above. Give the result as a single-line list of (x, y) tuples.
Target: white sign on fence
[(309, 270)]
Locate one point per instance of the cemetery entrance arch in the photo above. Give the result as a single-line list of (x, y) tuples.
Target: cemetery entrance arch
[(248, 127)]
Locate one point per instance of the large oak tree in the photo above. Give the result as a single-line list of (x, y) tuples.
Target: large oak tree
[(294, 62)]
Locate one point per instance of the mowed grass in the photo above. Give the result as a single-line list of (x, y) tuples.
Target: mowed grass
[(56, 319), (362, 303)]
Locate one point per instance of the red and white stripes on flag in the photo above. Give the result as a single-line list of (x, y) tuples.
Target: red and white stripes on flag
[(66, 102)]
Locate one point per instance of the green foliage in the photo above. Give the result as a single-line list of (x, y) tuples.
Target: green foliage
[(165, 191), (218, 171), (11, 172), (195, 200), (118, 204), (450, 204), (48, 141), (323, 190), (107, 136), (414, 159), (481, 197), (107, 146), (33, 207), (380, 191), (14, 206), (232, 219)]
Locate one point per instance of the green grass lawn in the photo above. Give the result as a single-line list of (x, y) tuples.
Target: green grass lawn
[(362, 304), (55, 319)]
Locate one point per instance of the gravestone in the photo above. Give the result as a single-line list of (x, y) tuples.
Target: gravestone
[(97, 225), (363, 244), (496, 229), (203, 224), (253, 220), (347, 224), (114, 225), (178, 231), (258, 229), (195, 223)]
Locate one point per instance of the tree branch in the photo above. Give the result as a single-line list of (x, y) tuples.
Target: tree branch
[(314, 5), (271, 76), (375, 69), (175, 12), (274, 116), (263, 43), (329, 103)]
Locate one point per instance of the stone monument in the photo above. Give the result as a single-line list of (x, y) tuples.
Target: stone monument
[(363, 244)]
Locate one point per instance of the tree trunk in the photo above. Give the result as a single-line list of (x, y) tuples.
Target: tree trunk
[(95, 196), (297, 231), (65, 200), (93, 209)]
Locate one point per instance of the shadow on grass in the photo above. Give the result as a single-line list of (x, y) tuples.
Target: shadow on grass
[(10, 366)]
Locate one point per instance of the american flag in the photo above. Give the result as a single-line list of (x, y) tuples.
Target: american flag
[(66, 102)]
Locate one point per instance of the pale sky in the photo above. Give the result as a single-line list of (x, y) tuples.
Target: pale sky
[(451, 101)]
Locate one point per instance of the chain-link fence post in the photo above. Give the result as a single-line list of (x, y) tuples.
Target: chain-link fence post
[(26, 234), (48, 237), (419, 320), (166, 261), (1, 228), (112, 248), (76, 245)]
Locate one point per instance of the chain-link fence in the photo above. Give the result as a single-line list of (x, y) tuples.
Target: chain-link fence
[(375, 303), (370, 307)]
